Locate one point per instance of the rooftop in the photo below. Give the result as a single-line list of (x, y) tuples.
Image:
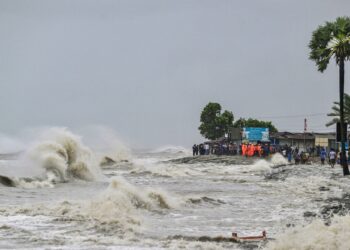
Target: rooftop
[(301, 136)]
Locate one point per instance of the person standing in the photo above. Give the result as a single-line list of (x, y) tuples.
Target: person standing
[(194, 149), (323, 155), (244, 149), (289, 154), (206, 147), (332, 157)]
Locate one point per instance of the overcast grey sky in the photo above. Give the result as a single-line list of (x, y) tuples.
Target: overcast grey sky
[(147, 68)]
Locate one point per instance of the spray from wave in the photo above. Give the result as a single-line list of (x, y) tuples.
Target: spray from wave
[(278, 159), (62, 153), (106, 145), (265, 166), (57, 156)]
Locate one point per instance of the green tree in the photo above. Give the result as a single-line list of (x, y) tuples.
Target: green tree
[(241, 123), (336, 111), (332, 40), (214, 124)]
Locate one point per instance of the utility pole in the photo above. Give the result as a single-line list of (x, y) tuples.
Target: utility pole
[(305, 129)]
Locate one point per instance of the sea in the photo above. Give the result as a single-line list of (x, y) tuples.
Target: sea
[(61, 193)]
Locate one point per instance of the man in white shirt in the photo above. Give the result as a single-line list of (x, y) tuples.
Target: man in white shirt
[(332, 157), (206, 147)]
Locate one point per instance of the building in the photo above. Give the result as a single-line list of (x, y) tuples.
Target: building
[(304, 140)]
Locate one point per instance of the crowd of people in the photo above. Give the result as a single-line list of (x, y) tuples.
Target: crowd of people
[(261, 149), (215, 148), (231, 148)]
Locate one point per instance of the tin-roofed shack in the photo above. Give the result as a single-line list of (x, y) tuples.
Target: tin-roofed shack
[(310, 141), (301, 140)]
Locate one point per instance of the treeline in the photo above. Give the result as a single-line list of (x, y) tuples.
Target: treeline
[(214, 123)]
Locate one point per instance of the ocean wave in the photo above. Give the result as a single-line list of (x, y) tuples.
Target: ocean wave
[(268, 167), (316, 235), (163, 170), (59, 156), (118, 207), (63, 153), (171, 149), (205, 199), (275, 161), (148, 198)]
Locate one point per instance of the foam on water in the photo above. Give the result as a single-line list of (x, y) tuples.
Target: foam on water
[(119, 206), (315, 235), (213, 196), (266, 166), (162, 170), (157, 168), (147, 198), (310, 186), (171, 149), (260, 166), (278, 159)]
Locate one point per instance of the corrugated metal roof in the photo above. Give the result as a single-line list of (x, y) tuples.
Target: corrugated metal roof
[(300, 136)]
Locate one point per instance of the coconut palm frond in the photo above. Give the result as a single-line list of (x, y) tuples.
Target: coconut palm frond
[(330, 40), (336, 111), (333, 114), (332, 122)]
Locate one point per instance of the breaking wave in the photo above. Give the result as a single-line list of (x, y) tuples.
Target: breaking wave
[(278, 159), (123, 192), (265, 166), (62, 153), (162, 170), (170, 149), (205, 199), (316, 235), (58, 156), (118, 208)]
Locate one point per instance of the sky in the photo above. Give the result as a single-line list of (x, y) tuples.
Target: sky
[(146, 69)]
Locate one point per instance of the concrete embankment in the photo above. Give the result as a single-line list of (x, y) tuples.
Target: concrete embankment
[(222, 159)]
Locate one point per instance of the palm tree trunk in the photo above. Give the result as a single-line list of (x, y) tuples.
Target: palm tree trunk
[(343, 159)]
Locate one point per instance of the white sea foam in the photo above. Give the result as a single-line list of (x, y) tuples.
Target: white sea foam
[(162, 169), (266, 166), (309, 186), (315, 235), (171, 149), (119, 207), (278, 159), (148, 198), (211, 199), (260, 166)]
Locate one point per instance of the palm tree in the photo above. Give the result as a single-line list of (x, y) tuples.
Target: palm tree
[(336, 111), (327, 41)]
